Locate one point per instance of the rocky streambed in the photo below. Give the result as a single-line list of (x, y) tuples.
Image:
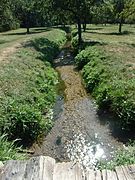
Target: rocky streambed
[(79, 133)]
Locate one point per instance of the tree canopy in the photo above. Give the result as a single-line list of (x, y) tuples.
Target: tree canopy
[(30, 13)]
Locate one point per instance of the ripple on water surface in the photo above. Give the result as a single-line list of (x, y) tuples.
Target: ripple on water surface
[(88, 140)]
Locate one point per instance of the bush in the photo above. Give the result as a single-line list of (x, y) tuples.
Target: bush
[(74, 42), (9, 23), (85, 56), (74, 33), (110, 83), (25, 122)]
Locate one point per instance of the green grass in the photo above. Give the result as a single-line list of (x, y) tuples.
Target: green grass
[(108, 69), (120, 48), (111, 83), (28, 88), (116, 45), (19, 35), (125, 156), (8, 150)]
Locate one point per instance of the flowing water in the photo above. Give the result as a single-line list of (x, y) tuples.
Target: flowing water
[(80, 133)]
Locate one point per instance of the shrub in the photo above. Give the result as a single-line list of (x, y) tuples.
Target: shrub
[(75, 43), (87, 55), (25, 122), (110, 83), (74, 33), (92, 74)]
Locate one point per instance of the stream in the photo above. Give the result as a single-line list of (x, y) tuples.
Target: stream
[(80, 133)]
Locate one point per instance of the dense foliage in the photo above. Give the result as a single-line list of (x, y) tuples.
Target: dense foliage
[(28, 89), (8, 20), (31, 13), (111, 83)]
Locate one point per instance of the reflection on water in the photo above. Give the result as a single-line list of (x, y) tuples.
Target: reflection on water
[(58, 107), (88, 154)]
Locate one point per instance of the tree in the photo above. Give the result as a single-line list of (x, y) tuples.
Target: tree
[(79, 10), (129, 11), (103, 13), (7, 17), (24, 11), (119, 6)]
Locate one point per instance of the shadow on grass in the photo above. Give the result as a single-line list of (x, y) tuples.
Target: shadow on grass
[(92, 43), (98, 28), (132, 44), (47, 49), (32, 31), (67, 28), (112, 33), (3, 41), (41, 29)]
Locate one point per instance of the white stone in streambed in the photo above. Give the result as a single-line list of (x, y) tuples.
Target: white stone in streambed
[(87, 154)]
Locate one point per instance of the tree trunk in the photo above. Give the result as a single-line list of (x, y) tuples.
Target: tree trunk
[(84, 27), (28, 30), (79, 32), (120, 25), (27, 23), (84, 24)]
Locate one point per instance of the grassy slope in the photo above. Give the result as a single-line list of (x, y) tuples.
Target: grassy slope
[(28, 84), (121, 63), (10, 37), (119, 70), (111, 79)]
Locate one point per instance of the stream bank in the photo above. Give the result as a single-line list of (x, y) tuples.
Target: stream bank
[(79, 132)]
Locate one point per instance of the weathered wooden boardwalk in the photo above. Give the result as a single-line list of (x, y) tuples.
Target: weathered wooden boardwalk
[(46, 168)]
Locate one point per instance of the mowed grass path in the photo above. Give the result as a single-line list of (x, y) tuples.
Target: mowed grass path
[(120, 45), (9, 38)]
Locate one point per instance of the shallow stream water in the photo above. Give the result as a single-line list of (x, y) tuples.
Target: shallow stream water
[(80, 133)]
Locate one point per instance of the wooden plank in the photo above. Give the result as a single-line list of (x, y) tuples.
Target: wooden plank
[(132, 170), (48, 165), (128, 173), (1, 166), (39, 168), (66, 171), (98, 175), (120, 173), (111, 175), (45, 168), (90, 175), (13, 170), (104, 174)]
